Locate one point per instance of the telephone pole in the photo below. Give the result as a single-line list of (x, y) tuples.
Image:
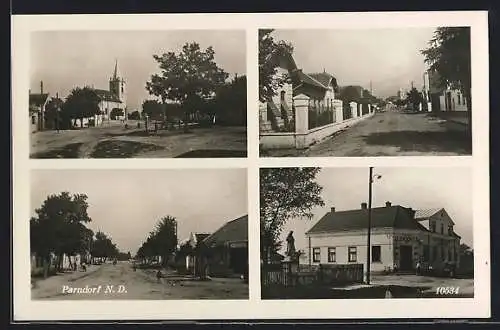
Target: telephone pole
[(368, 247)]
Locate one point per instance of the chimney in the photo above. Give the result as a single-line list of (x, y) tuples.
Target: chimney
[(332, 209), (41, 87), (388, 204), (364, 206)]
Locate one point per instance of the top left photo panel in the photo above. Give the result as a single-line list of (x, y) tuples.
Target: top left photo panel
[(138, 94)]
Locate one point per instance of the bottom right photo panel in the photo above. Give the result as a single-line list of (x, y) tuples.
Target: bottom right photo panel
[(366, 232)]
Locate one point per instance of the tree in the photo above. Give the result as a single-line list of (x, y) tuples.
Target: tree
[(285, 193), (188, 78), (449, 54), (350, 94), (58, 227), (165, 238), (52, 113), (269, 51), (414, 98), (153, 109), (115, 113), (81, 103), (230, 103)]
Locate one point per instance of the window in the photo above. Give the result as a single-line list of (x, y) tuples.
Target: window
[(433, 226), (316, 255), (442, 229), (450, 230), (282, 96), (353, 254), (376, 253), (332, 257)]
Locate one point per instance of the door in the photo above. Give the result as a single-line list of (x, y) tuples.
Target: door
[(238, 260), (405, 257)]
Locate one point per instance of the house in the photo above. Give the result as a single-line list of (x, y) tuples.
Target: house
[(37, 104), (277, 113), (194, 241), (444, 98), (400, 237), (225, 252)]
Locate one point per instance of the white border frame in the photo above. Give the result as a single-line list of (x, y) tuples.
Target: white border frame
[(254, 308)]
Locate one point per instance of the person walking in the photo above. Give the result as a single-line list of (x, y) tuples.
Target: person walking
[(159, 275)]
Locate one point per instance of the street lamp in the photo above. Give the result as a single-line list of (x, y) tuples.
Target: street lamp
[(368, 246)]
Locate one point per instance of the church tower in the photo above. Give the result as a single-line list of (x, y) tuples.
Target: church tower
[(117, 86)]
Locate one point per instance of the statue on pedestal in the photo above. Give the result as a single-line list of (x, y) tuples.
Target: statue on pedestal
[(290, 245)]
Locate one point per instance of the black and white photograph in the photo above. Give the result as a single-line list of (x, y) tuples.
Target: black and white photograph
[(250, 166), (365, 92), (136, 234), (319, 226), (138, 94)]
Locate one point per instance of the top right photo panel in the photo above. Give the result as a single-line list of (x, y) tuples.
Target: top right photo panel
[(365, 92)]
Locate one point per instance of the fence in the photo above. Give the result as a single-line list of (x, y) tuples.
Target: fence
[(324, 274), (320, 116), (346, 111)]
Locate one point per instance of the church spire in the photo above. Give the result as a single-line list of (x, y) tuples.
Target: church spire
[(115, 73)]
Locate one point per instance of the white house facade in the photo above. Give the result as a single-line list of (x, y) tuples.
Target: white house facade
[(400, 237)]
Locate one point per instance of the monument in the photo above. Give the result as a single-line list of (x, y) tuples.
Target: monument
[(290, 263)]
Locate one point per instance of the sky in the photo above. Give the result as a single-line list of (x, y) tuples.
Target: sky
[(390, 58), (66, 59), (126, 204), (419, 188)]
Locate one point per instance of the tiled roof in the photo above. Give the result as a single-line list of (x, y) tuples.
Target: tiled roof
[(382, 217), (38, 99), (425, 214), (233, 231), (325, 79), (307, 79), (105, 95)]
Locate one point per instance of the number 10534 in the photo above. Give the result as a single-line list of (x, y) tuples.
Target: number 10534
[(445, 290)]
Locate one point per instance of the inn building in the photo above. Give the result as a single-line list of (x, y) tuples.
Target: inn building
[(400, 237)]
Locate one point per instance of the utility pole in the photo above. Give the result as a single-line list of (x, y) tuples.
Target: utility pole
[(371, 88), (368, 247)]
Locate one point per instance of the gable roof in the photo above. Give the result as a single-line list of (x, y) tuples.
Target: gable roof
[(232, 231), (325, 79), (199, 237), (425, 214), (382, 217), (304, 78), (38, 99), (105, 95)]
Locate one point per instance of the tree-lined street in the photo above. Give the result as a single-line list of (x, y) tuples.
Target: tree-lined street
[(129, 284)]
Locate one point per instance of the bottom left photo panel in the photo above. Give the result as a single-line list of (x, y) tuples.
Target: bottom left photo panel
[(139, 234)]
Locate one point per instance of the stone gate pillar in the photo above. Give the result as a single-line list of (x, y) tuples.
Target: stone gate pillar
[(301, 104)]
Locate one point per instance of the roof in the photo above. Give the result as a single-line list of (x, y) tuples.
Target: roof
[(106, 95), (382, 217), (426, 214), (233, 231), (200, 237), (307, 79), (325, 79), (38, 99)]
